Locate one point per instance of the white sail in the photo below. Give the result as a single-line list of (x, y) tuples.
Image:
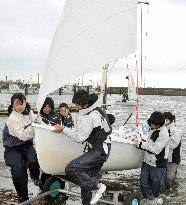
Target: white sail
[(90, 34), (131, 88)]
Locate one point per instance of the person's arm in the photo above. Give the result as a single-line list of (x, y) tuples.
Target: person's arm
[(157, 146), (81, 132), (17, 129), (174, 139)]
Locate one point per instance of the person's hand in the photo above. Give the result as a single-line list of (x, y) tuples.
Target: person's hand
[(58, 128), (136, 138)]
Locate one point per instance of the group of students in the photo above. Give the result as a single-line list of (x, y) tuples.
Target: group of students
[(162, 157), (93, 127)]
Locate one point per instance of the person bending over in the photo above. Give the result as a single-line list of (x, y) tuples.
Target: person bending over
[(93, 128)]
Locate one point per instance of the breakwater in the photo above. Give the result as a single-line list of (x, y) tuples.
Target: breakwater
[(150, 91)]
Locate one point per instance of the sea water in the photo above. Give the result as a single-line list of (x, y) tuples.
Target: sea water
[(126, 181)]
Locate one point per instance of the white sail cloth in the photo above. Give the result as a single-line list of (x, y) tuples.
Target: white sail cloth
[(90, 34)]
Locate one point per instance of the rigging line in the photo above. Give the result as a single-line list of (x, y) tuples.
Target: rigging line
[(137, 93), (141, 43), (112, 68)]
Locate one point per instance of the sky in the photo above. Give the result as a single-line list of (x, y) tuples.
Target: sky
[(27, 28)]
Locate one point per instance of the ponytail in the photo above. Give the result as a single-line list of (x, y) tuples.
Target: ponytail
[(10, 108)]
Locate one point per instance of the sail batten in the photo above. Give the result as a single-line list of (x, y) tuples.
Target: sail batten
[(90, 34)]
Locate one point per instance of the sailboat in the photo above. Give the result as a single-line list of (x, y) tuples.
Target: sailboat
[(90, 35)]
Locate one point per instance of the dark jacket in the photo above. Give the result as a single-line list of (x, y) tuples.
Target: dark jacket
[(67, 121)]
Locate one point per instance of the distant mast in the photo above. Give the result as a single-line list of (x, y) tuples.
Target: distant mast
[(141, 37), (38, 78)]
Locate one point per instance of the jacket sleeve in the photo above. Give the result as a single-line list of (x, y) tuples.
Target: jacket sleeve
[(157, 146), (175, 139), (16, 129), (82, 131)]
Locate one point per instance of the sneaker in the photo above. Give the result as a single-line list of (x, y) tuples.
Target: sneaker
[(159, 200), (156, 201), (98, 194)]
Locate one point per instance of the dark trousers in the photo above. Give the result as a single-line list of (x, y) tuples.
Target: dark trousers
[(152, 181), (171, 174), (83, 171), (44, 178), (19, 160)]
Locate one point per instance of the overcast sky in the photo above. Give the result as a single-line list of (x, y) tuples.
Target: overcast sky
[(27, 28)]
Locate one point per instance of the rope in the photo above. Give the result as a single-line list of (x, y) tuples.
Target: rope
[(137, 94)]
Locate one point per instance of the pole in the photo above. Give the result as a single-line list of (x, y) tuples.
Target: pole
[(103, 92), (141, 60), (141, 38), (127, 119)]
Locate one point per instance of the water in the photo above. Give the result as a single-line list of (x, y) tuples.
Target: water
[(128, 181)]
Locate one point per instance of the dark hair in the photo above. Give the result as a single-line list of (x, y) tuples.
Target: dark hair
[(81, 97), (170, 116), (156, 118), (92, 99), (48, 101), (21, 97), (63, 105)]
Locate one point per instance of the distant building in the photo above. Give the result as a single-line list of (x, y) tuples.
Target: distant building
[(12, 88)]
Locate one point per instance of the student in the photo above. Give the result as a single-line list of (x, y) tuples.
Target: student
[(125, 97), (153, 171), (174, 149), (65, 115), (49, 116), (19, 152), (93, 128)]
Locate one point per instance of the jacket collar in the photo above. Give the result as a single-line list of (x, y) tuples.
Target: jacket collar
[(89, 109)]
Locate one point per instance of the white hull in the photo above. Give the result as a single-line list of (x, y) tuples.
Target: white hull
[(55, 151), (128, 103)]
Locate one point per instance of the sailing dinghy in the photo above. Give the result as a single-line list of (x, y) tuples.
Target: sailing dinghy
[(90, 35)]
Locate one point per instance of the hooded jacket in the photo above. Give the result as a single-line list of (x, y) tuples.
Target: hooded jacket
[(89, 122), (156, 147), (175, 144), (18, 129)]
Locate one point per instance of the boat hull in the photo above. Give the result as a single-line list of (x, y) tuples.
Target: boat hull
[(128, 103), (55, 151)]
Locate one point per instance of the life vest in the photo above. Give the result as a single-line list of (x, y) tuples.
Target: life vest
[(176, 157), (98, 134), (161, 162)]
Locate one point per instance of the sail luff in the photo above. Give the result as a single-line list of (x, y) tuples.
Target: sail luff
[(90, 35)]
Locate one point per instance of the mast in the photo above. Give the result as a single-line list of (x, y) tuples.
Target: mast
[(103, 90), (141, 59), (141, 37)]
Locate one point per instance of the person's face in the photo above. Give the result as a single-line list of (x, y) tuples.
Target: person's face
[(47, 109), (167, 122), (153, 126), (63, 111), (19, 106), (78, 107)]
